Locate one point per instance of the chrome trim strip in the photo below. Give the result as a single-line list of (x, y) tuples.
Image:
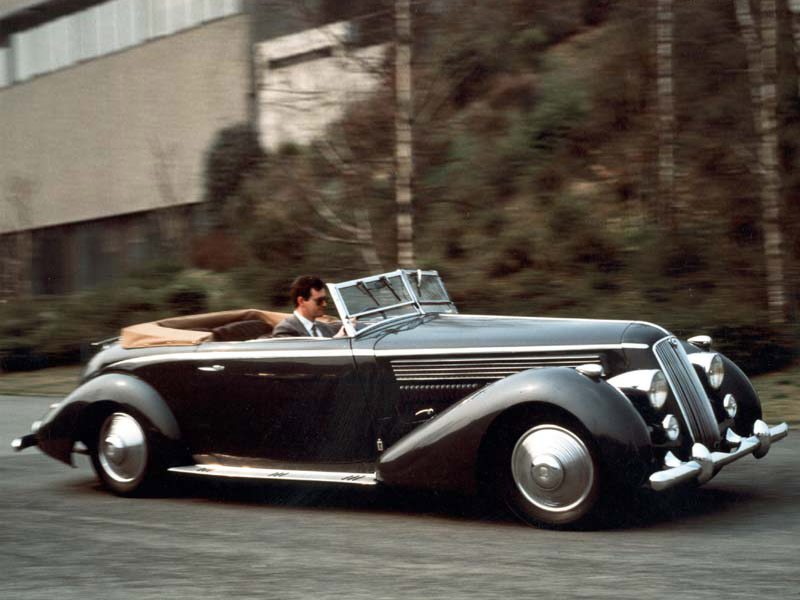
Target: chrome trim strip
[(495, 350), (465, 377), (702, 460), (487, 370), (242, 354), (494, 359), (473, 316), (245, 354), (633, 346), (484, 369), (215, 470)]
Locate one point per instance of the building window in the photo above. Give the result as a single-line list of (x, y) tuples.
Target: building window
[(103, 29)]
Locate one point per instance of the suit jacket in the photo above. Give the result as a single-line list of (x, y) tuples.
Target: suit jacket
[(292, 327)]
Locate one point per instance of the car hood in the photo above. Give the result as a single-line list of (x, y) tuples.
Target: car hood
[(480, 331)]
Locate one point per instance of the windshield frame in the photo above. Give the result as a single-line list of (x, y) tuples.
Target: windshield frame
[(405, 275)]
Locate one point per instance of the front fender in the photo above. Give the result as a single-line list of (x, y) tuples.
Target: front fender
[(738, 384), (65, 423), (444, 452)]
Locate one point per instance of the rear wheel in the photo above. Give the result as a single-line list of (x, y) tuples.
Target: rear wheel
[(551, 475), (123, 457)]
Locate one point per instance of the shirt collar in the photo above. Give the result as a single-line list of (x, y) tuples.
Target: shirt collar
[(306, 323)]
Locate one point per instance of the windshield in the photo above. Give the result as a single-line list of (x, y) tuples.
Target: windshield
[(380, 297)]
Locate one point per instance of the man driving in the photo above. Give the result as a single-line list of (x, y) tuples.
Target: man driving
[(309, 297)]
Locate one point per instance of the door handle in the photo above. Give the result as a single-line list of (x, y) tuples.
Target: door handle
[(212, 368)]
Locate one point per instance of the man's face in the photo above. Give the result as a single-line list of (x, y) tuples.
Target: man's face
[(314, 307)]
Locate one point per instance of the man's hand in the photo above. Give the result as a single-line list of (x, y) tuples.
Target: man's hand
[(343, 331)]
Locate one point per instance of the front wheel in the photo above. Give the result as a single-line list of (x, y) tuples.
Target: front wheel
[(552, 476), (123, 458)]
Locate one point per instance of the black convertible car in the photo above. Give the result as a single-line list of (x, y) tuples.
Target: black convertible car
[(549, 414)]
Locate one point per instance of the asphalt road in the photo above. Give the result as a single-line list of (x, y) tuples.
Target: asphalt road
[(62, 536)]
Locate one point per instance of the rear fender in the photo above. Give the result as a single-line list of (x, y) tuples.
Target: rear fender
[(74, 418), (444, 453)]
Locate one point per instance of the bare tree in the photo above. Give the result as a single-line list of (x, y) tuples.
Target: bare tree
[(762, 71), (356, 231), (353, 168)]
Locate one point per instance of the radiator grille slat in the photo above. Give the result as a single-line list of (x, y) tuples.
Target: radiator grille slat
[(689, 391)]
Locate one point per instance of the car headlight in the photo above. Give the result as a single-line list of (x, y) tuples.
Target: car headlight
[(711, 364), (671, 427), (659, 390), (650, 381), (730, 405)]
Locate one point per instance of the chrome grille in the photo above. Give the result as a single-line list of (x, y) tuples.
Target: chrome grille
[(481, 368), (688, 391)]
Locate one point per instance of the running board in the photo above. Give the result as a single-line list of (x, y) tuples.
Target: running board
[(212, 470)]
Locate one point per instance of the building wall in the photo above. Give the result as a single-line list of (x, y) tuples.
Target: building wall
[(307, 80), (121, 134)]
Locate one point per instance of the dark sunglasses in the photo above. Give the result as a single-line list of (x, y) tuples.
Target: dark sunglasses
[(320, 301)]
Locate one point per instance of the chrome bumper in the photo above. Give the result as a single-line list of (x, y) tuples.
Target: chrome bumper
[(26, 441), (704, 464)]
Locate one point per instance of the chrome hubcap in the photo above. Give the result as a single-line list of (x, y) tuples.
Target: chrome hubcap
[(552, 468), (114, 449), (547, 471), (122, 450)]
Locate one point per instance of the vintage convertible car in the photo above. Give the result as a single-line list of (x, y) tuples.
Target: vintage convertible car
[(549, 414)]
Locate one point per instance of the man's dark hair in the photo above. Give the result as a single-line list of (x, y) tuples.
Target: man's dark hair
[(302, 286)]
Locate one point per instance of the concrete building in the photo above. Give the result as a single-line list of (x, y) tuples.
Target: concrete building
[(307, 79), (107, 110)]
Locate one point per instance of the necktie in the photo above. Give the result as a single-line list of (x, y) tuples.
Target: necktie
[(314, 331)]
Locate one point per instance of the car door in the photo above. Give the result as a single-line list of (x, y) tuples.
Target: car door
[(287, 399)]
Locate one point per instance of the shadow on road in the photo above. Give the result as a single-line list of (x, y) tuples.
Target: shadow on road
[(647, 508), (644, 509)]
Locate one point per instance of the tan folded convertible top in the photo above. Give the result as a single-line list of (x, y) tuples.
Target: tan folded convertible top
[(192, 329)]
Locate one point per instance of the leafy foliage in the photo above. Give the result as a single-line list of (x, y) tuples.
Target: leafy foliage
[(234, 153)]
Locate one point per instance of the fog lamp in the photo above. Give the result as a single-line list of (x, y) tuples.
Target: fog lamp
[(730, 405), (671, 427)]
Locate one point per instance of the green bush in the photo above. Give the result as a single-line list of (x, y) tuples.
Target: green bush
[(755, 348), (40, 332), (234, 153)]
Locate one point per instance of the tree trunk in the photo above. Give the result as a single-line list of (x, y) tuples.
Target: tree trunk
[(771, 189), (762, 71), (403, 142), (666, 113)]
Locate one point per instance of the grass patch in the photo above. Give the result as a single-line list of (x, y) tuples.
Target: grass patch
[(780, 395), (56, 381)]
